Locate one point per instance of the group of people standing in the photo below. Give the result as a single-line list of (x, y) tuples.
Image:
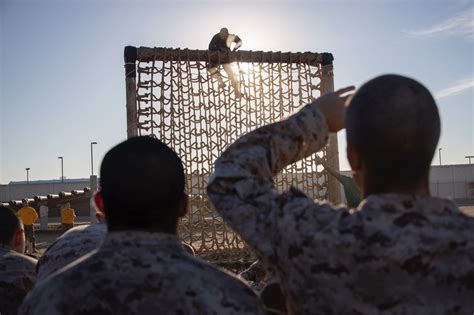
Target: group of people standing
[(400, 251), (29, 217)]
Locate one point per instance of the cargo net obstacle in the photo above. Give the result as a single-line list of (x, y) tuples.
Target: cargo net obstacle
[(171, 96)]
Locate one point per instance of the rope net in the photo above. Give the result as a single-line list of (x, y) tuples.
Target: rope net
[(179, 103)]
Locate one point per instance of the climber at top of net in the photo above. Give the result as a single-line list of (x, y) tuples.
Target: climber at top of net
[(222, 42)]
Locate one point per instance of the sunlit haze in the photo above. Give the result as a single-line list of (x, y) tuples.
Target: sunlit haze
[(62, 76)]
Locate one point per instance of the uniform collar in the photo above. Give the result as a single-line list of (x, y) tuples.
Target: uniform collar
[(155, 240), (405, 202), (5, 248)]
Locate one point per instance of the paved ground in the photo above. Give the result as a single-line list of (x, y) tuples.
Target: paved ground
[(46, 238)]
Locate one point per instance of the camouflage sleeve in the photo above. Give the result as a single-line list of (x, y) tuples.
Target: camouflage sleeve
[(241, 187)]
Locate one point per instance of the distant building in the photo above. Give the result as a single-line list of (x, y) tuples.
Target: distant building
[(447, 181), (450, 181), (20, 190)]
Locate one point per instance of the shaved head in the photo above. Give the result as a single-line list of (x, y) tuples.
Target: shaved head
[(142, 185), (393, 123), (223, 33)]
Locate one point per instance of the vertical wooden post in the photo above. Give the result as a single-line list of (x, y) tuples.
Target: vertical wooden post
[(43, 217), (332, 151), (130, 58)]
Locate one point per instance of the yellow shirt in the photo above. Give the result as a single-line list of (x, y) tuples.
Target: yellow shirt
[(27, 215), (68, 215)]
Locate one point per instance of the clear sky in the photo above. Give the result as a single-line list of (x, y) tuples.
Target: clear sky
[(62, 77)]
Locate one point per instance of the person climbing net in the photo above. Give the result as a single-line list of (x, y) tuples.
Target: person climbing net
[(223, 42)]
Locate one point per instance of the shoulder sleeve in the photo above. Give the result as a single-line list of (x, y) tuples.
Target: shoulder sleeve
[(213, 43), (241, 187)]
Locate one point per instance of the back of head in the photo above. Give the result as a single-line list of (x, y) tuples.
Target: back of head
[(142, 185), (9, 225), (224, 32), (393, 123)]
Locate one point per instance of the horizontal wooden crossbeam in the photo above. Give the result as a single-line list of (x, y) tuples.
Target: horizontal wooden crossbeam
[(146, 54)]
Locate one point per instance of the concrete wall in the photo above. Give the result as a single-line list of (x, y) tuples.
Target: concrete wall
[(82, 209), (452, 181), (18, 191)]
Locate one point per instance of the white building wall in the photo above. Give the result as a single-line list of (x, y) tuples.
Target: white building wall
[(447, 181), (450, 181)]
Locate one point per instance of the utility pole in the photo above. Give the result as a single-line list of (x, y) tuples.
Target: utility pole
[(92, 158), (62, 168), (27, 175)]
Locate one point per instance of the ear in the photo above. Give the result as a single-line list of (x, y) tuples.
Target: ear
[(18, 242), (100, 216), (19, 236), (98, 201), (354, 158), (183, 205), (357, 166)]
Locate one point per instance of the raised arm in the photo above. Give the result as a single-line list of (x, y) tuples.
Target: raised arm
[(241, 187), (238, 43)]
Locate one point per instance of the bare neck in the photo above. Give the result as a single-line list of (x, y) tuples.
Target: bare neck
[(418, 189)]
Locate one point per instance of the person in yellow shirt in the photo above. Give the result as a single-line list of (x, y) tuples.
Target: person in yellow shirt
[(68, 215), (28, 216)]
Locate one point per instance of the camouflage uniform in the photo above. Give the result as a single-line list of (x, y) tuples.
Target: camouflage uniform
[(141, 273), (17, 277), (73, 244), (394, 254)]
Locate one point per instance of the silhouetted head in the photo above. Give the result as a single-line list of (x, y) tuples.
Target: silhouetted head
[(25, 203), (393, 127), (142, 186), (223, 33), (11, 230)]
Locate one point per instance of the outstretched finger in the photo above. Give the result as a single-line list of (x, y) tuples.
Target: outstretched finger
[(345, 90)]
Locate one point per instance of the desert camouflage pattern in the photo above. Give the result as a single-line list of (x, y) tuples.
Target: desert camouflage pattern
[(17, 278), (141, 273), (394, 254), (72, 245)]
